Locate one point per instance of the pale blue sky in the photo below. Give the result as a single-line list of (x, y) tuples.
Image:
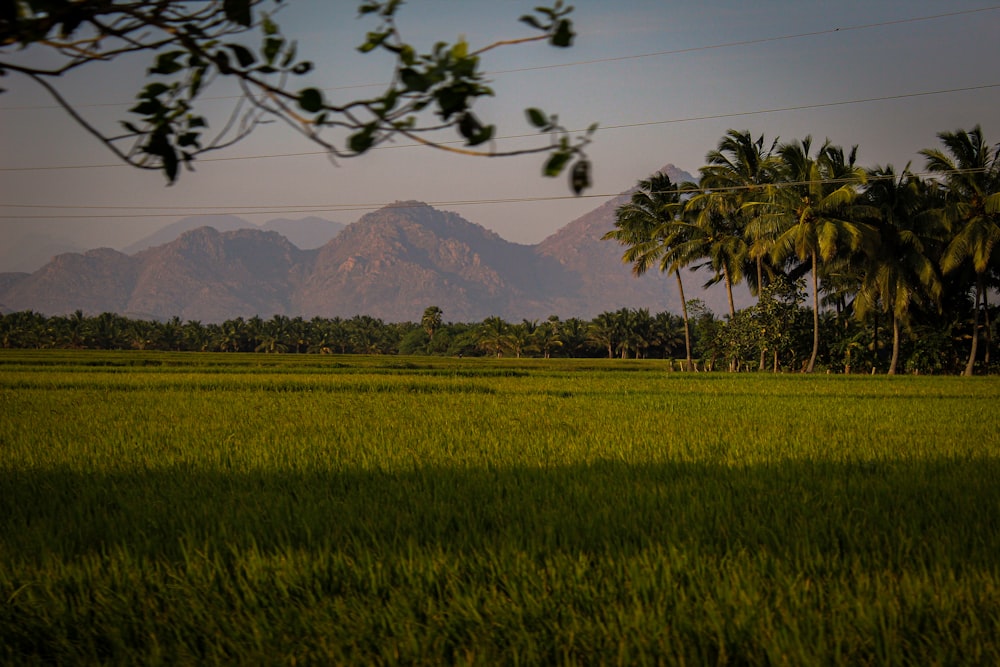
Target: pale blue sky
[(655, 109)]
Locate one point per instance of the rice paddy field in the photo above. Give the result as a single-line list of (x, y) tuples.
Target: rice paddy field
[(184, 508)]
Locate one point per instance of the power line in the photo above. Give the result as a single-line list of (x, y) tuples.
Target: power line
[(688, 119), (595, 61), (335, 208)]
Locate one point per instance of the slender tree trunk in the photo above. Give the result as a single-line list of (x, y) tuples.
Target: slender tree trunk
[(729, 290), (815, 350), (687, 326), (875, 342), (986, 326), (760, 290), (895, 345), (975, 328)]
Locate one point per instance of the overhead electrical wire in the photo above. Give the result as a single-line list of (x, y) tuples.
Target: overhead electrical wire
[(687, 119), (595, 61), (323, 208), (335, 208)]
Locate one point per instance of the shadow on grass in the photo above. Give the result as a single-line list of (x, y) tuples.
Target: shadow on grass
[(884, 514)]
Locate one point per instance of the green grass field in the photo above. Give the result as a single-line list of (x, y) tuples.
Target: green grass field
[(164, 508)]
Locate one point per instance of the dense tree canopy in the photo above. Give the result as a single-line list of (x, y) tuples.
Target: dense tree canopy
[(920, 250)]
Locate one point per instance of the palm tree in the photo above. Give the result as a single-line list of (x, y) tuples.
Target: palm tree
[(521, 338), (603, 332), (647, 226), (547, 336), (813, 213), (901, 273), (431, 322), (971, 171), (492, 335), (713, 232), (736, 174)]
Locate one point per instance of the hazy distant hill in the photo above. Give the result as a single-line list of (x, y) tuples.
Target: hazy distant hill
[(391, 264), (222, 223), (30, 251), (307, 233)]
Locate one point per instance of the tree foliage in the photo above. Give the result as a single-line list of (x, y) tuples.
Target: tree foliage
[(195, 44), (892, 251)]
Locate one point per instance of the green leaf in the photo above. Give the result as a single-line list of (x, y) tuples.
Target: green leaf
[(188, 139), (269, 26), (593, 128), (238, 11), (222, 62), (537, 118), (556, 163), (579, 178), (147, 107), (244, 56), (532, 21), (130, 127), (272, 47), (375, 40), (359, 142), (196, 80), (154, 90), (311, 100), (302, 67), (407, 55), (166, 63), (563, 35), (414, 80), (473, 130)]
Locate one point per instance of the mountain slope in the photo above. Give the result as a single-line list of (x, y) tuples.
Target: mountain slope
[(395, 262), (210, 275), (95, 281), (392, 264)]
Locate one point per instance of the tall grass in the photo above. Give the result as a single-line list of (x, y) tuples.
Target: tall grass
[(220, 509)]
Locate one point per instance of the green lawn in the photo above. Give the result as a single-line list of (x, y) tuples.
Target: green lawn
[(188, 508)]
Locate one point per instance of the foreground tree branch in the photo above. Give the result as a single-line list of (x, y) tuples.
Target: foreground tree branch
[(193, 46)]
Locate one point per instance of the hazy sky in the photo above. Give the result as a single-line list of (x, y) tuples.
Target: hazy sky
[(665, 80)]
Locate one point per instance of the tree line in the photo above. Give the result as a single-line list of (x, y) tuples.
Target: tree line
[(896, 266), (891, 255), (779, 318), (623, 333)]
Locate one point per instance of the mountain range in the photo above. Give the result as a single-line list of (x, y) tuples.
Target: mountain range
[(391, 263)]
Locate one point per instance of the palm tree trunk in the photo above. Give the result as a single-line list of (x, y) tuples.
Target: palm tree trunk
[(729, 290), (815, 350), (986, 326), (975, 327), (760, 291), (687, 326), (895, 345)]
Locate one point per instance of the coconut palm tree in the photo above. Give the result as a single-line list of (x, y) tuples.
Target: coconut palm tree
[(736, 174), (491, 335), (813, 213), (713, 231), (901, 273), (603, 332), (648, 226), (971, 174)]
